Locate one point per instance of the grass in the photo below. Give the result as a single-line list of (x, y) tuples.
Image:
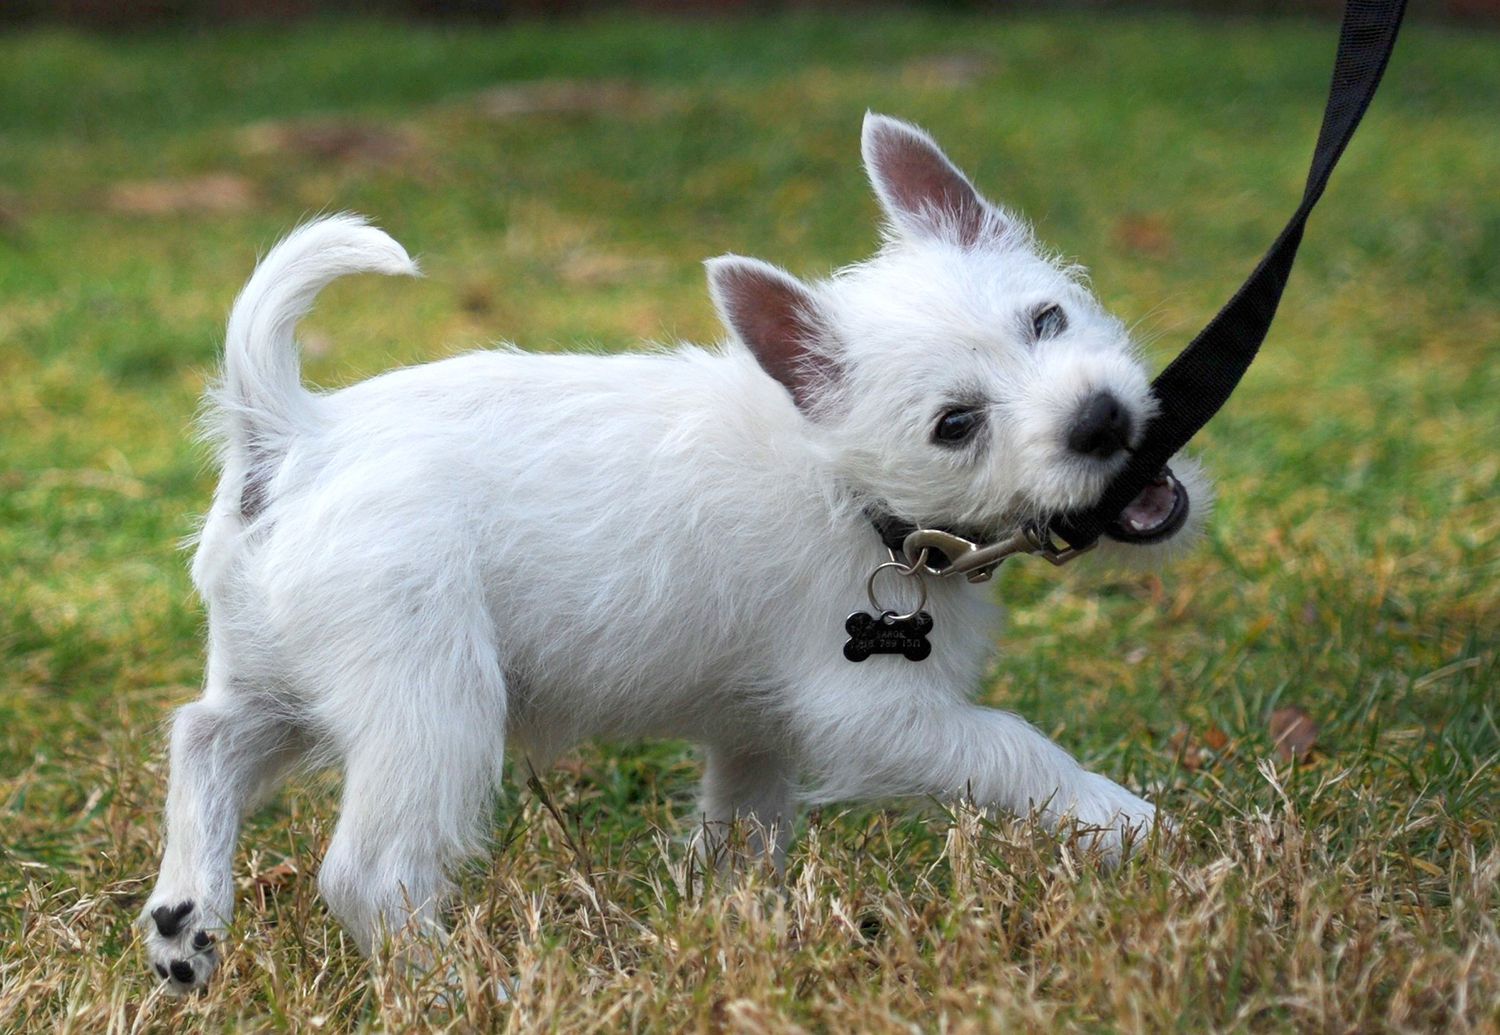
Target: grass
[(1352, 568)]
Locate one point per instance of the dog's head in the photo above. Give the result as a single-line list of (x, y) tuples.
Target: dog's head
[(961, 378)]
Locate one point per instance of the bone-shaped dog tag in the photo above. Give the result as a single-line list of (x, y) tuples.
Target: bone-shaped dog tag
[(888, 634)]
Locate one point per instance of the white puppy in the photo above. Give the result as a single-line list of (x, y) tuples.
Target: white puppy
[(404, 576)]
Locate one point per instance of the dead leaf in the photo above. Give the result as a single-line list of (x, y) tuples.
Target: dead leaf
[(1158, 591), (213, 192), (10, 215), (604, 269), (1189, 755), (1196, 752), (266, 884), (281, 873), (949, 71), (1294, 735), (331, 140), (277, 876), (1145, 235), (476, 299), (560, 97)]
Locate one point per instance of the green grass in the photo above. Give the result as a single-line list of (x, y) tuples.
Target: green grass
[(1352, 565)]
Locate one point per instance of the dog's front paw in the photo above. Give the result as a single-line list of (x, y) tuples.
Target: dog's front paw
[(180, 944), (1110, 818)]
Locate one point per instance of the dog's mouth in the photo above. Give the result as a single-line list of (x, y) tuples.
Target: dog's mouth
[(1157, 513)]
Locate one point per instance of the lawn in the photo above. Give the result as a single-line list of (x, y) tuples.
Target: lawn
[(561, 184)]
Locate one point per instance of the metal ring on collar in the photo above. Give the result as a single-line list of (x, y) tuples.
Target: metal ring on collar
[(912, 570)]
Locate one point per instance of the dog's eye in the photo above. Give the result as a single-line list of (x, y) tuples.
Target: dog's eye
[(956, 425), (1048, 321)]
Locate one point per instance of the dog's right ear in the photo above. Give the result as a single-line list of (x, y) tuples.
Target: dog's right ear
[(776, 316)]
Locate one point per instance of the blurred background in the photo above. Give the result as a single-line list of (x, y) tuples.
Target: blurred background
[(561, 170), (120, 14)]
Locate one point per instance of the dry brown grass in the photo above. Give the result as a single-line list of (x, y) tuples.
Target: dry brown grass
[(1265, 918), (1351, 576)]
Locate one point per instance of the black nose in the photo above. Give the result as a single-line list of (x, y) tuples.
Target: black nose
[(1102, 428)]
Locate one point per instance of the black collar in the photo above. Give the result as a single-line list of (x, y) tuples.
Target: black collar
[(893, 531)]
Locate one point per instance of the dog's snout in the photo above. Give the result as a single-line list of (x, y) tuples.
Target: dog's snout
[(1102, 428)]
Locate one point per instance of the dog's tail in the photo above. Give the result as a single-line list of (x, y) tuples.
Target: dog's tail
[(261, 401)]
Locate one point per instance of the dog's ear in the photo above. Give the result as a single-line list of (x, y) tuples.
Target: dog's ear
[(774, 314), (922, 192)]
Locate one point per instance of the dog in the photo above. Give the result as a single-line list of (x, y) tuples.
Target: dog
[(406, 576)]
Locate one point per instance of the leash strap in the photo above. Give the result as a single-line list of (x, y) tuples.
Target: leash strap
[(1199, 381)]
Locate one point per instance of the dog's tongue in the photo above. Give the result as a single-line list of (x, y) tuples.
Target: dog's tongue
[(1148, 511), (1157, 512)]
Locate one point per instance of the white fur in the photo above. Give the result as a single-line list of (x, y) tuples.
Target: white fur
[(534, 550)]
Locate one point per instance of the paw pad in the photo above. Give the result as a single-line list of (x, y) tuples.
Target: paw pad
[(182, 952), (168, 919)]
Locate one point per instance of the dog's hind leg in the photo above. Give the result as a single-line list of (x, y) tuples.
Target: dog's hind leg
[(226, 755), (749, 793), (420, 774)]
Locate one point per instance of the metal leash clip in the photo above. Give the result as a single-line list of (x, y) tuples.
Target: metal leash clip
[(978, 563)]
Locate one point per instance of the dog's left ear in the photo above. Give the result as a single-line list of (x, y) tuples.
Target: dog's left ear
[(774, 314), (922, 192)]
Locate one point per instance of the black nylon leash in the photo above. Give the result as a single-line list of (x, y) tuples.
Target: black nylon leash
[(1199, 381)]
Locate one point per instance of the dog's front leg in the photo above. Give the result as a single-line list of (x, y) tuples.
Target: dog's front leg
[(994, 757), (752, 788)]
